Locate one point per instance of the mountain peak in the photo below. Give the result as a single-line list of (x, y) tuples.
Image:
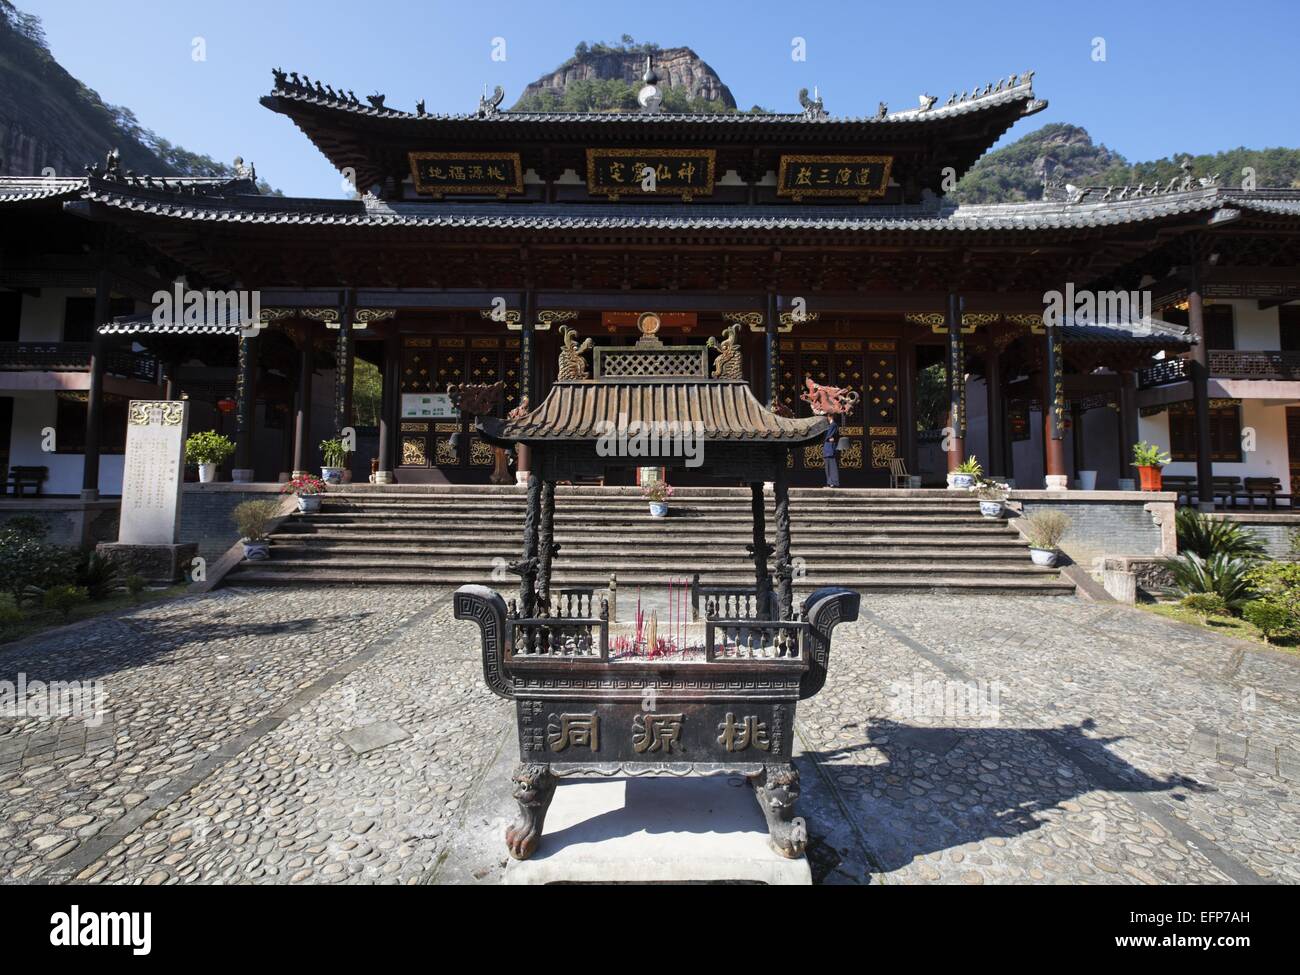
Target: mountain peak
[(604, 77)]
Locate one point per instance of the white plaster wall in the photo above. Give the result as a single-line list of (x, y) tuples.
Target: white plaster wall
[(42, 317), (1256, 328), (1269, 458), (33, 412)]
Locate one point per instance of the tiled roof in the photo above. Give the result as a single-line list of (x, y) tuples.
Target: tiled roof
[(227, 323), (251, 209), (1144, 331), (18, 189), (726, 411), (1021, 93)]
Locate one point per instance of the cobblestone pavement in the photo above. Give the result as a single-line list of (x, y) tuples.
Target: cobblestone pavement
[(345, 736)]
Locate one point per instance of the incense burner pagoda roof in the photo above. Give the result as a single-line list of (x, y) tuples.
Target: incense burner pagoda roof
[(586, 410)]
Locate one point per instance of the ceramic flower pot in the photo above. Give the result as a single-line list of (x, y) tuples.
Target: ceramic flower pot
[(207, 473), (961, 482), (257, 551), (1043, 556), (659, 509), (1087, 480), (1150, 478), (331, 475), (309, 503), (991, 509)]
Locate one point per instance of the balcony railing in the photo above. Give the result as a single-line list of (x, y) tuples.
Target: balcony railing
[(1226, 364), (74, 357)]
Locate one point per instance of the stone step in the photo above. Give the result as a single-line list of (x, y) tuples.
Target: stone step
[(982, 585), (597, 520), (652, 567), (324, 546)]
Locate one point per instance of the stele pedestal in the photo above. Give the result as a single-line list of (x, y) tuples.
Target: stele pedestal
[(149, 526)]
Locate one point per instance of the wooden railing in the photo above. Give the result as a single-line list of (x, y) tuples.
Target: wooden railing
[(74, 357), (1226, 364)]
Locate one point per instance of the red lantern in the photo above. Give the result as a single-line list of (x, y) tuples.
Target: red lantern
[(226, 404)]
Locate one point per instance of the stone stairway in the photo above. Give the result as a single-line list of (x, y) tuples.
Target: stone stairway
[(884, 541)]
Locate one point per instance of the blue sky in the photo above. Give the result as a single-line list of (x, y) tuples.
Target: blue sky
[(1185, 76)]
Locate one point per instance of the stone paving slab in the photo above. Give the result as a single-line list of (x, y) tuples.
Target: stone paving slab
[(958, 740)]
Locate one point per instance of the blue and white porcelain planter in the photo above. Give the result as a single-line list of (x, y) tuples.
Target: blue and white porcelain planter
[(1043, 556), (991, 509), (331, 475), (309, 503), (257, 551), (659, 509), (961, 482)]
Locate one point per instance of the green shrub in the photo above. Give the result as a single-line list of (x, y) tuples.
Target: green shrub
[(1206, 536), (1278, 582), (333, 453), (1206, 604), (27, 564), (10, 615), (64, 598), (135, 584), (1046, 528), (1271, 618), (253, 518), (29, 524), (208, 447), (1149, 455), (97, 575), (1222, 575)]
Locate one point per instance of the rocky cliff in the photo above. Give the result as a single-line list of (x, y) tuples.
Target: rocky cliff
[(679, 68)]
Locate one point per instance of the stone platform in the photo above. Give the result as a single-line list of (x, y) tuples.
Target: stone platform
[(656, 829)]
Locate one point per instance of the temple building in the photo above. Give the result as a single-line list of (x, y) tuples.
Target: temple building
[(472, 238)]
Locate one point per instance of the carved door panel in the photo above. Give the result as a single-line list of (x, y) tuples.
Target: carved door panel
[(432, 364), (813, 362), (881, 408), (847, 372)]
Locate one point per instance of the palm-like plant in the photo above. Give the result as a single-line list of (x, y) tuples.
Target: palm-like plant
[(1223, 575), (1205, 536)]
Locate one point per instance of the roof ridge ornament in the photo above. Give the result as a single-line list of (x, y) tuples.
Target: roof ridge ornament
[(927, 102), (490, 105), (813, 108), (1068, 193), (650, 98)]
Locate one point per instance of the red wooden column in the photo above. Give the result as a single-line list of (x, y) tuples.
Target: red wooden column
[(1199, 361), (956, 386), (1054, 413)]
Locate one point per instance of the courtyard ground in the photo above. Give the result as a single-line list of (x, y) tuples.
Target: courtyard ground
[(345, 736)]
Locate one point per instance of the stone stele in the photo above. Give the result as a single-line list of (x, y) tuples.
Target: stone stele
[(151, 492)]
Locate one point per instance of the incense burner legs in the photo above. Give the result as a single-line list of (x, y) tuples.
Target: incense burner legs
[(534, 788), (777, 790)]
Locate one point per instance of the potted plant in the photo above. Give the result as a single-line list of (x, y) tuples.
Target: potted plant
[(1149, 459), (992, 496), (308, 488), (333, 455), (657, 493), (253, 519), (966, 474), (208, 449), (1045, 529)]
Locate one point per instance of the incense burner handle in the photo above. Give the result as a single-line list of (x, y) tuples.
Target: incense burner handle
[(486, 608), (824, 609)]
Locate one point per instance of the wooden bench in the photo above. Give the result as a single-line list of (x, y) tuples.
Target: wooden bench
[(898, 476), (21, 478), (1226, 487), (1268, 490)]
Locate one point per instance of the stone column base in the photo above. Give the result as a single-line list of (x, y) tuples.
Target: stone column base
[(242, 475), (383, 477), (156, 563), (1057, 482), (521, 478)]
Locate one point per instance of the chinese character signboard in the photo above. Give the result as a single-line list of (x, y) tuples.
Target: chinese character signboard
[(655, 172), (439, 173), (861, 177)]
